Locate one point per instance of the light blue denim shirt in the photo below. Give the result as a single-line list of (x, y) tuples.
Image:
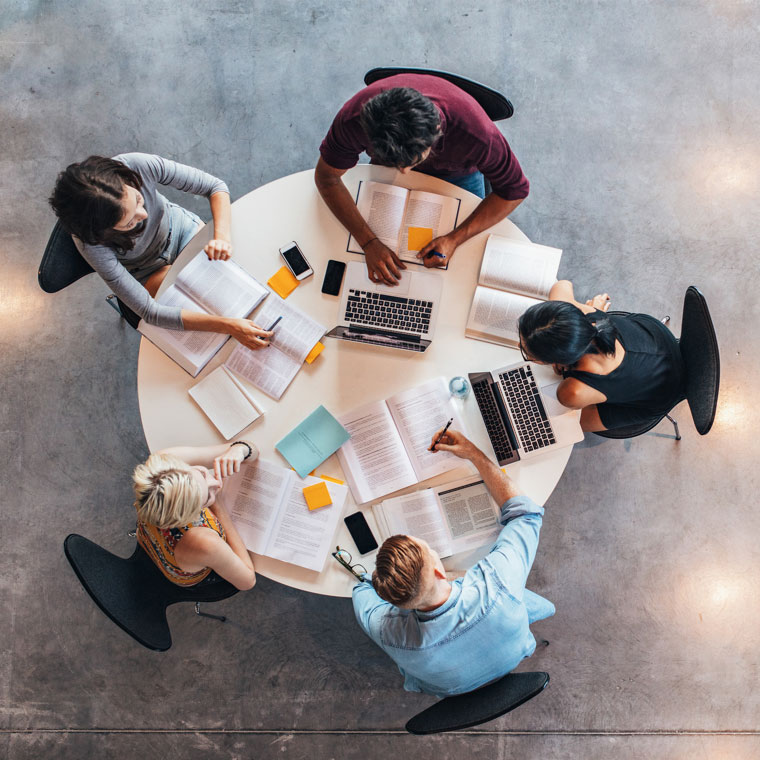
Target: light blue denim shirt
[(480, 632)]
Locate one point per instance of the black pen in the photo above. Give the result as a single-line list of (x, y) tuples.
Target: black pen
[(440, 437), (275, 323)]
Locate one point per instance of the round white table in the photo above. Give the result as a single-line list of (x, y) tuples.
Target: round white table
[(346, 374)]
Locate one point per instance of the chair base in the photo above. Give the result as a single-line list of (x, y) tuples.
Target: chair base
[(220, 618)]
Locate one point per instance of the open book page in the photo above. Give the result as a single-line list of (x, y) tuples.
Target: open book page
[(296, 334), (520, 267), (191, 350), (416, 514), (268, 369), (494, 313), (420, 412), (382, 207), (303, 537), (253, 498), (470, 512), (373, 458), (221, 287), (224, 402), (430, 210)]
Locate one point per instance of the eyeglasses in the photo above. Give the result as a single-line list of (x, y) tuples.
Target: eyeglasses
[(522, 352), (345, 559)]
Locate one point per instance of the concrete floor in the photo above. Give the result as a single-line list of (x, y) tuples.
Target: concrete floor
[(637, 125)]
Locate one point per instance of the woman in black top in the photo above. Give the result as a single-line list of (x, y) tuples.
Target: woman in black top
[(620, 370)]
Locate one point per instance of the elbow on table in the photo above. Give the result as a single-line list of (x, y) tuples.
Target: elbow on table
[(247, 583)]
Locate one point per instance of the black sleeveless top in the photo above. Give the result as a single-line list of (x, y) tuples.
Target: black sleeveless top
[(651, 376)]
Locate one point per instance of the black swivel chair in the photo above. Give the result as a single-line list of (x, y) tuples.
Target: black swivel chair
[(496, 105), (62, 265), (134, 593), (701, 358), (479, 706)]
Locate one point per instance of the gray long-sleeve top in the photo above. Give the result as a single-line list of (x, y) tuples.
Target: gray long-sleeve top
[(116, 266)]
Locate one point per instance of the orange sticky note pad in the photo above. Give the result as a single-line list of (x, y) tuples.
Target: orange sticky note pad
[(314, 353), (419, 237), (317, 496), (282, 282)]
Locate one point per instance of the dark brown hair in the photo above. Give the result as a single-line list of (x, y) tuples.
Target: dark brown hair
[(87, 199), (398, 570)]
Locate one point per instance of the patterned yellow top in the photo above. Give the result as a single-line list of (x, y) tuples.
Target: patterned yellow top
[(160, 543)]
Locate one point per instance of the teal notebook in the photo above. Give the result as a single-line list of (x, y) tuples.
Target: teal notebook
[(308, 445)]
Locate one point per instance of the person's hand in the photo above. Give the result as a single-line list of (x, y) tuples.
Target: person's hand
[(250, 334), (601, 302), (382, 264), (218, 248), (228, 463), (445, 245), (456, 443)]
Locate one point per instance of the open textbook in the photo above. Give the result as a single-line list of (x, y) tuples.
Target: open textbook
[(391, 210), (514, 275), (272, 369), (225, 401), (388, 448), (214, 287), (266, 502), (452, 518)]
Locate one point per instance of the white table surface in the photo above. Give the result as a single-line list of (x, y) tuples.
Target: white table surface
[(346, 374)]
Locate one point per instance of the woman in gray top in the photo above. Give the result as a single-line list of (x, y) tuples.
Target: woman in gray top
[(130, 234)]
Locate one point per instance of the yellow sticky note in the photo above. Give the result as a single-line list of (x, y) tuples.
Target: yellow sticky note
[(282, 282), (314, 353), (317, 496), (419, 237), (332, 480)]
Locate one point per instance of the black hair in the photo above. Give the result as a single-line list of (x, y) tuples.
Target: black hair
[(558, 332), (401, 124), (87, 199)]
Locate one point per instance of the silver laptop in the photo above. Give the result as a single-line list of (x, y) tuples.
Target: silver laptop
[(521, 413), (402, 316)]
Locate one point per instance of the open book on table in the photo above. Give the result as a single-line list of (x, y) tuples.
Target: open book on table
[(213, 287), (388, 448), (391, 210), (266, 502), (272, 369), (452, 518), (514, 275)]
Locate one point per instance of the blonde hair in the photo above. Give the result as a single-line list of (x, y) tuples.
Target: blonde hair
[(166, 493)]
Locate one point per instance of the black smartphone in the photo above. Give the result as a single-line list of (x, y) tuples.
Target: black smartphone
[(333, 277), (360, 532)]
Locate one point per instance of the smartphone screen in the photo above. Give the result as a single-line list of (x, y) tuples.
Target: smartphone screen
[(360, 532), (295, 260), (333, 277)]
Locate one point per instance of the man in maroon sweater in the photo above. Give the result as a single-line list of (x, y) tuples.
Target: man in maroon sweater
[(425, 123)]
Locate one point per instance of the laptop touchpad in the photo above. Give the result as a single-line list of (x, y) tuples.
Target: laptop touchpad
[(401, 290)]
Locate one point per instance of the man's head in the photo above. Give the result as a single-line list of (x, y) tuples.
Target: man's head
[(407, 572), (402, 125)]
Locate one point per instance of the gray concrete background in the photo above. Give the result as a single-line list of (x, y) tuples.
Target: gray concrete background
[(637, 123)]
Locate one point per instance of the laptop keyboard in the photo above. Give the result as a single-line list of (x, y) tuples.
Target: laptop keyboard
[(492, 419), (388, 312), (531, 421)]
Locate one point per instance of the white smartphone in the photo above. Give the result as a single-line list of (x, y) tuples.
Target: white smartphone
[(296, 261)]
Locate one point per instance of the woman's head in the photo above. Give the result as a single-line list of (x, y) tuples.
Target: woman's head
[(170, 493), (557, 332), (99, 201)]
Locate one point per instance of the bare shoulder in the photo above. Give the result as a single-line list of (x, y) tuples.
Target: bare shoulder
[(198, 544), (575, 394)]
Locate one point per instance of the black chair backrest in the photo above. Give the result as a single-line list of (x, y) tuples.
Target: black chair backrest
[(699, 349), (479, 706), (61, 264), (495, 105), (133, 592)]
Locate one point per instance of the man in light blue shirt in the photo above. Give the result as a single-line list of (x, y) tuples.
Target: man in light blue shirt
[(453, 637)]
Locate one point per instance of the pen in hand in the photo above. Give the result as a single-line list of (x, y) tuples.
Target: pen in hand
[(435, 253), (274, 324), (440, 437)]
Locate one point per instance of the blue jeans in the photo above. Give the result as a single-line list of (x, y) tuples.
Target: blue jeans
[(183, 225), (474, 183), (538, 607)]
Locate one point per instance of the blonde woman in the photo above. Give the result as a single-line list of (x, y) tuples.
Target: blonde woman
[(181, 526)]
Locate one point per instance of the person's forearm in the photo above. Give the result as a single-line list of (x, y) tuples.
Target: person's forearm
[(234, 541), (335, 194), (221, 214), (200, 322), (197, 455), (491, 210), (501, 486)]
